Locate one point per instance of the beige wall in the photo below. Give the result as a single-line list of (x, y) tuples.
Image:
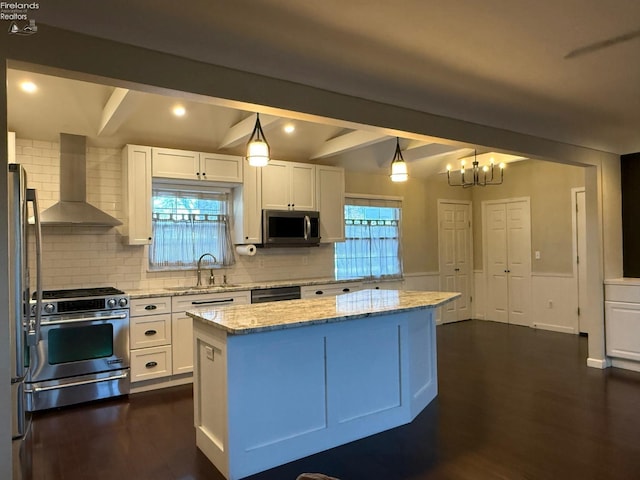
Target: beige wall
[(549, 187), (419, 213)]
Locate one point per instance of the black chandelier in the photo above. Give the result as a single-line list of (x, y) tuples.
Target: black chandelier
[(470, 177)]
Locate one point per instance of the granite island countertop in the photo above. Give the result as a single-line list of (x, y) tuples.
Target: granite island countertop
[(253, 318)]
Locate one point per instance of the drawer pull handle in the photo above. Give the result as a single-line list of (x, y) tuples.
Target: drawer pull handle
[(148, 333), (319, 292), (150, 307), (208, 302), (346, 289), (151, 364)]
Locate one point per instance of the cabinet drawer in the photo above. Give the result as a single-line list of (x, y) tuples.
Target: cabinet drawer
[(327, 290), (182, 303), (622, 293), (148, 363), (150, 331), (149, 306)]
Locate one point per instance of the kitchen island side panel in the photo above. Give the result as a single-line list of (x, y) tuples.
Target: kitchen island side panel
[(210, 401), (294, 392)]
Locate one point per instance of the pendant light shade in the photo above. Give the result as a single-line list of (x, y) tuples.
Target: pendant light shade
[(398, 165), (258, 147)]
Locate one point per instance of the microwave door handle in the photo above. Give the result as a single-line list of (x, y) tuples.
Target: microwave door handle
[(307, 227), (33, 331)]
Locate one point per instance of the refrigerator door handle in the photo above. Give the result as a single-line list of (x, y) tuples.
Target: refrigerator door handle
[(33, 330)]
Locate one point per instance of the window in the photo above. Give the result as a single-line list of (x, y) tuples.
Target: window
[(372, 240), (187, 224)]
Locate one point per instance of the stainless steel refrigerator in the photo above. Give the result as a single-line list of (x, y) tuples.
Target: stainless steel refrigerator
[(24, 330)]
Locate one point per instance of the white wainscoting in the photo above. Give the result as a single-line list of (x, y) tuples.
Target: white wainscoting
[(554, 302), (424, 281)]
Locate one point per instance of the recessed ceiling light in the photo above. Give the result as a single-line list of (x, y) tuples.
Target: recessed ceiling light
[(179, 111), (28, 87), (289, 128)]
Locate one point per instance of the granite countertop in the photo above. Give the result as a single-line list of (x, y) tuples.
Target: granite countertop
[(178, 291), (243, 319)]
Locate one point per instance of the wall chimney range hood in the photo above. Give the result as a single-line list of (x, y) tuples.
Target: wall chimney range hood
[(73, 209)]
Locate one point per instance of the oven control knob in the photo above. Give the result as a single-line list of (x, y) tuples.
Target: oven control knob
[(111, 303), (49, 308), (123, 302)]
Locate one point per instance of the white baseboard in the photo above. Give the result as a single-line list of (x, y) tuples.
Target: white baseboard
[(554, 328), (162, 383), (626, 364), (600, 363)]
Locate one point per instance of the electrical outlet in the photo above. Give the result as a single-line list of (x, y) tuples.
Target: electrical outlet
[(538, 255), (209, 352), (550, 303)]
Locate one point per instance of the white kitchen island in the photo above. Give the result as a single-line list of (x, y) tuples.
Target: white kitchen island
[(278, 381)]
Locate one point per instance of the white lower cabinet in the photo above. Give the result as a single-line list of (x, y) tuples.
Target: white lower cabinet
[(182, 325), (329, 289), (622, 330), (622, 324), (150, 338)]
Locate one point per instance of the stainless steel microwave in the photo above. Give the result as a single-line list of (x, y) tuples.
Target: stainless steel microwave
[(290, 228)]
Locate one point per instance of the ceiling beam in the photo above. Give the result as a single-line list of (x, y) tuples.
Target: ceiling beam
[(243, 129), (428, 150), (348, 141), (117, 109)]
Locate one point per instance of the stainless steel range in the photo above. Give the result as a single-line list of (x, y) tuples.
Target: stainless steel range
[(84, 352)]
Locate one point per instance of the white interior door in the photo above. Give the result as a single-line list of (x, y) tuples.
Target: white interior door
[(519, 262), (496, 248), (455, 257), (507, 244), (581, 254)]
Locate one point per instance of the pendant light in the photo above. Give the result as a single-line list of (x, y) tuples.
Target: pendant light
[(398, 165), (258, 147)]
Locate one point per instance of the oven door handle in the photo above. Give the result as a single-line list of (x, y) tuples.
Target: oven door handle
[(122, 316), (83, 382)]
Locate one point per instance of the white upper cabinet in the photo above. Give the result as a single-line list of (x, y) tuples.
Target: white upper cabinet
[(180, 164), (187, 165), (247, 207), (330, 202), (220, 168), (136, 194), (288, 186)]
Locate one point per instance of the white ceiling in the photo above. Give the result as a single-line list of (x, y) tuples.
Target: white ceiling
[(500, 63)]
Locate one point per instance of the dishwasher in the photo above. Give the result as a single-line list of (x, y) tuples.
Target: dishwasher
[(274, 294)]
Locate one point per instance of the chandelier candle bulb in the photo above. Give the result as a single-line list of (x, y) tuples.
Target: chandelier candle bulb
[(480, 176)]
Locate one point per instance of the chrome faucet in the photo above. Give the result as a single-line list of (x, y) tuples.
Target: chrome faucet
[(199, 273)]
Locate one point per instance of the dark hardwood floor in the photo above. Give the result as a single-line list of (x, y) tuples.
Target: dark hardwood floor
[(513, 403)]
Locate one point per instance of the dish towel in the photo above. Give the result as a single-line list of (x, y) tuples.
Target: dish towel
[(315, 476)]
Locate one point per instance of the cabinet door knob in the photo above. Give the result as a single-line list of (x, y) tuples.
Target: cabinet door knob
[(151, 364)]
